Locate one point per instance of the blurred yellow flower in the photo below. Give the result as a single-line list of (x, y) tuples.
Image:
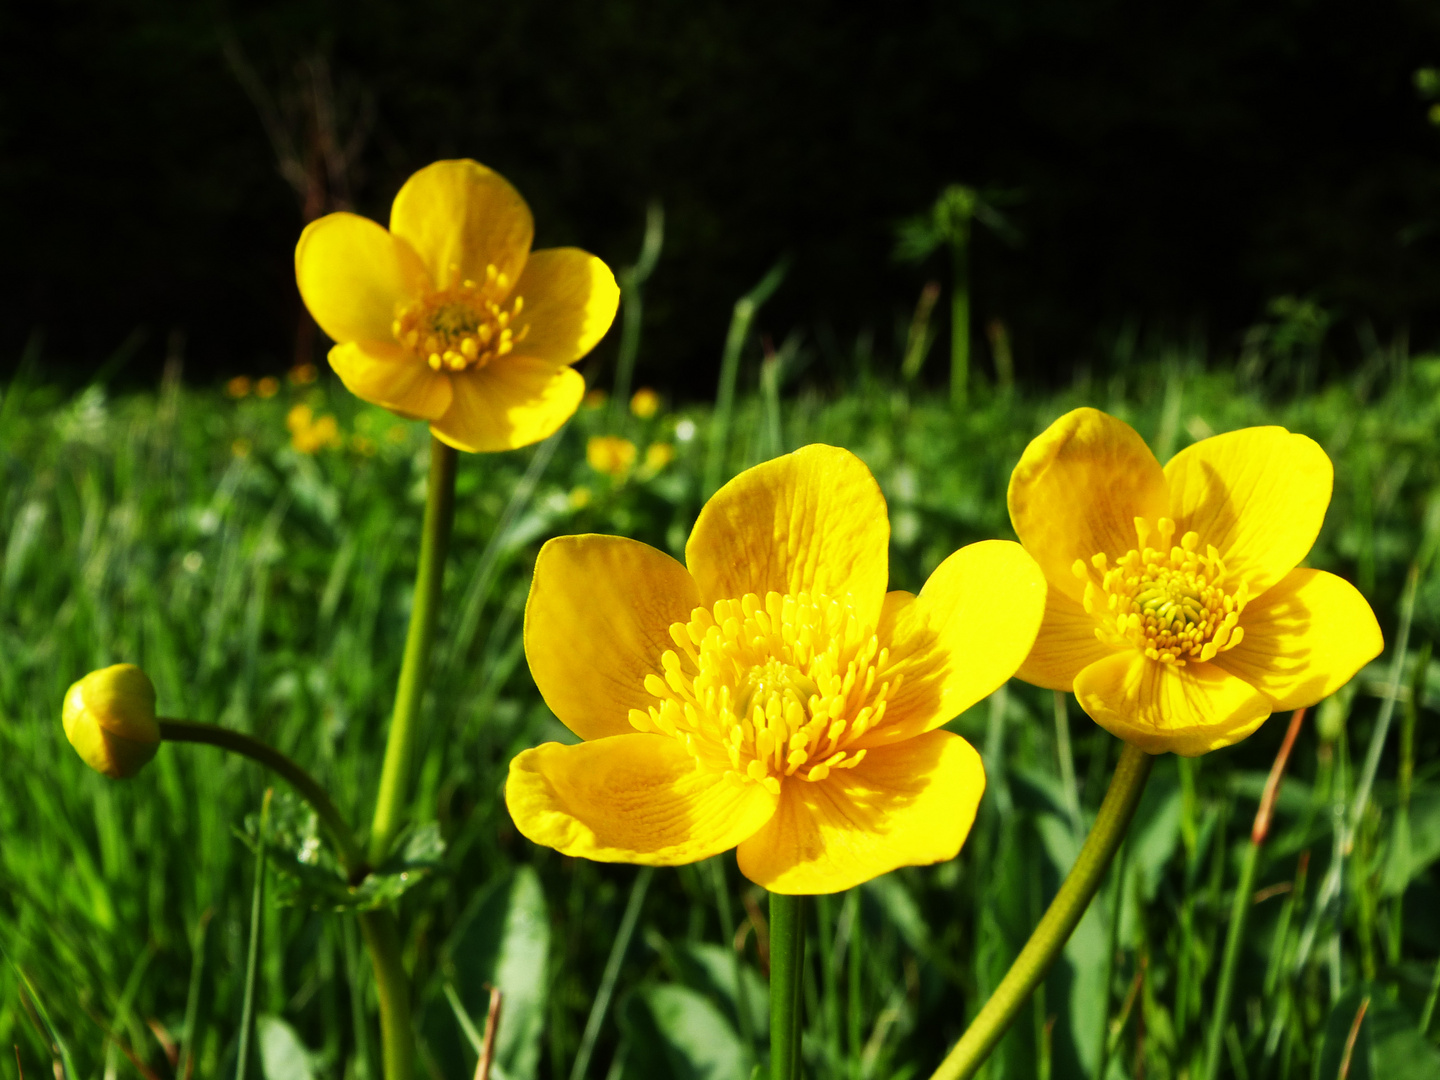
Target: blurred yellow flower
[(309, 434), (610, 454), (770, 693), (449, 316), (240, 447), (658, 455), (1176, 613), (303, 374), (109, 718), (579, 497), (596, 399), (238, 387), (645, 403), (267, 387)]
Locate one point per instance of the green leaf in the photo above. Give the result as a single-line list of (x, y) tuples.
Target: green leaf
[(899, 906), (678, 1033), (710, 969), (282, 1055), (1388, 1045)]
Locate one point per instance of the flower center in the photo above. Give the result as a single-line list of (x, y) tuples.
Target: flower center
[(464, 326), (766, 690), (1171, 603)]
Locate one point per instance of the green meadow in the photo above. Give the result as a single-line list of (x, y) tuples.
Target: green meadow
[(268, 589)]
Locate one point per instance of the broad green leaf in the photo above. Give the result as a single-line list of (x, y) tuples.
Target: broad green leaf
[(710, 969), (677, 1033), (282, 1055)]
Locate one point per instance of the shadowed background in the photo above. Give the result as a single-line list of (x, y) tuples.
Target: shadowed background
[(1168, 170)]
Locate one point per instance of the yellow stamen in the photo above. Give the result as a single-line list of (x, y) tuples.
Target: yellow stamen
[(453, 329)]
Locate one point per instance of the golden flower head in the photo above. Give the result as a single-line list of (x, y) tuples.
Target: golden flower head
[(658, 455), (770, 693), (109, 718), (645, 403), (1176, 612), (309, 434), (610, 454), (449, 316)]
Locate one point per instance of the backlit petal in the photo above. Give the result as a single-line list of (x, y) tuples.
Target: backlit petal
[(352, 274), (813, 521), (632, 798), (1159, 707), (1304, 638), (1077, 491), (960, 639), (597, 622), (1065, 646), (570, 301), (388, 375), (910, 804), (511, 402), (461, 217), (1259, 495)]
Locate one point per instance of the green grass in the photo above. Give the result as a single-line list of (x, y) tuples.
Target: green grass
[(266, 589)]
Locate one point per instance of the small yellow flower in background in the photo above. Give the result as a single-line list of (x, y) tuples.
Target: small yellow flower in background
[(610, 454), (770, 693), (645, 403), (238, 387), (240, 448), (1176, 613), (449, 316), (109, 718), (267, 387), (363, 445), (579, 498), (303, 374), (658, 455), (309, 435), (596, 399)]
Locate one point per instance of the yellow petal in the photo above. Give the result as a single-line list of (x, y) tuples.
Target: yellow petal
[(813, 521), (1159, 707), (1304, 639), (1065, 646), (960, 639), (461, 217), (632, 798), (1258, 494), (570, 301), (910, 804), (351, 274), (1077, 491), (388, 375), (511, 402), (597, 622)]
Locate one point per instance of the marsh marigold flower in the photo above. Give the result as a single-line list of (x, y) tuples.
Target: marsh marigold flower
[(770, 693), (1176, 612), (449, 316), (109, 718), (610, 454)]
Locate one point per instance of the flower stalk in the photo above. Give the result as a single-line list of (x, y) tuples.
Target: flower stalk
[(787, 960), (1058, 922)]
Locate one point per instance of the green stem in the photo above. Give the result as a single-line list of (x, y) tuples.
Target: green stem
[(1058, 922), (309, 789), (960, 320), (424, 613), (382, 940), (1234, 938), (787, 958), (252, 959)]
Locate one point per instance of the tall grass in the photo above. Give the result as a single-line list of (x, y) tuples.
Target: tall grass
[(268, 590)]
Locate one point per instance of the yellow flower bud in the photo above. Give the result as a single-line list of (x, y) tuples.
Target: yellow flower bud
[(109, 718)]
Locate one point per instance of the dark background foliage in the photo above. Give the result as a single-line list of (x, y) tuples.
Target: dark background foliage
[(1173, 167)]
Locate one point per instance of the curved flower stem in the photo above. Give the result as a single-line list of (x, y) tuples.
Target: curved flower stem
[(1057, 923), (309, 788), (787, 958), (424, 613)]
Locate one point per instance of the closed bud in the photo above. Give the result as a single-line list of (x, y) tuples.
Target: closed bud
[(109, 718)]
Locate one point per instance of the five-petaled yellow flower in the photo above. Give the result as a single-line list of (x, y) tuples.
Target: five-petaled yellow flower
[(1176, 612), (770, 693), (449, 316)]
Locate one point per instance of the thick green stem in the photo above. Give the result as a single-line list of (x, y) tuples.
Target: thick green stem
[(787, 959), (308, 787), (1057, 923), (382, 941), (424, 613)]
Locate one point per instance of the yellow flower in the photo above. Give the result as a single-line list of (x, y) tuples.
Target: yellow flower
[(610, 454), (303, 374), (596, 399), (449, 317), (645, 403), (658, 455), (307, 434), (267, 387), (770, 693), (1176, 613), (238, 387), (109, 718)]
